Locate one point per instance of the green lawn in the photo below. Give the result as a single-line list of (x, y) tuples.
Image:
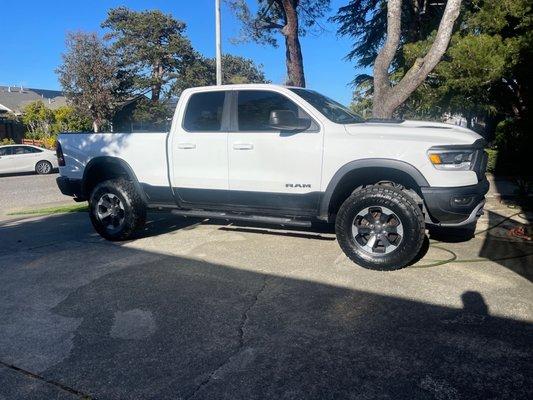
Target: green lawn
[(53, 210)]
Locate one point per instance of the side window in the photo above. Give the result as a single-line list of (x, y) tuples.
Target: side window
[(5, 151), (254, 107), (204, 112), (21, 150), (33, 150)]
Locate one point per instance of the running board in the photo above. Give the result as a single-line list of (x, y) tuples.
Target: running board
[(242, 217)]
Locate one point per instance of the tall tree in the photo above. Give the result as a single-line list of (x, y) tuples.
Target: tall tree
[(88, 76), (388, 94), (291, 18), (365, 21), (484, 74), (235, 69), (388, 98), (152, 47)]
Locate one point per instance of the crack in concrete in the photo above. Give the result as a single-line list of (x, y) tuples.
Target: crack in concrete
[(32, 375), (244, 322)]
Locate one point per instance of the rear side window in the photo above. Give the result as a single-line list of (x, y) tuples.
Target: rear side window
[(204, 112), (5, 151), (254, 107), (23, 150)]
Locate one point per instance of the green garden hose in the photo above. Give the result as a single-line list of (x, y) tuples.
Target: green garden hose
[(453, 256)]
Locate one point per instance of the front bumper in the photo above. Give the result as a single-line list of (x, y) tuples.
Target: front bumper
[(455, 206), (70, 187)]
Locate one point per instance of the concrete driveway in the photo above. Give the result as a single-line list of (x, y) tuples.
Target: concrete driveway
[(200, 310), (23, 191)]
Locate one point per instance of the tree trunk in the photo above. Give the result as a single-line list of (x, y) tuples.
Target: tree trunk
[(381, 108), (96, 126), (293, 50), (157, 76), (388, 98)]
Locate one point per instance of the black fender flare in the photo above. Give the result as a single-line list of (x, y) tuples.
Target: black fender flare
[(402, 166), (109, 160)]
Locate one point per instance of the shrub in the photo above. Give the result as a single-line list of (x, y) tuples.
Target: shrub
[(514, 144), (493, 155), (5, 141), (49, 142)]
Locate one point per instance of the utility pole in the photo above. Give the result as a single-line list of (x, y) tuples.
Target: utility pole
[(218, 45)]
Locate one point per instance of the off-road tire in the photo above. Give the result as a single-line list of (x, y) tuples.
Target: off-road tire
[(403, 206), (134, 208)]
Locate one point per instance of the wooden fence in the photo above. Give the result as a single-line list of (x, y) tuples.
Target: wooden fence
[(33, 142), (40, 143)]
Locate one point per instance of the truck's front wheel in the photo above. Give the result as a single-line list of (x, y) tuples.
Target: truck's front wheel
[(380, 227), (116, 209)]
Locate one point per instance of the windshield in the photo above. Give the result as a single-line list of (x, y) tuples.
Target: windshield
[(332, 110)]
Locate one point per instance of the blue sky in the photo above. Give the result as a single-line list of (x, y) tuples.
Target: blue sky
[(33, 35)]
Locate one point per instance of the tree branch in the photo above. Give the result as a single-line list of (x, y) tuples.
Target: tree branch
[(423, 66), (386, 54), (387, 99)]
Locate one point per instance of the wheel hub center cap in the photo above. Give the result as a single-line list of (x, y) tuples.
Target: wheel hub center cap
[(377, 230)]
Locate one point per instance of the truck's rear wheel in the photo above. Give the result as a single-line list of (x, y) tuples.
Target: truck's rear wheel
[(116, 209), (380, 227)]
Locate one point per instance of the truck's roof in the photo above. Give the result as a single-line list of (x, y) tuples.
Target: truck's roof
[(239, 86)]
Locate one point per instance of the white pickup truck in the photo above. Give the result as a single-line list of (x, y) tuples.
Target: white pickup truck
[(283, 155)]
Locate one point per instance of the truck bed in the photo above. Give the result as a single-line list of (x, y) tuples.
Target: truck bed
[(145, 152)]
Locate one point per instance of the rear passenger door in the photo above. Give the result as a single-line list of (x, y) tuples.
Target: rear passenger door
[(269, 169), (198, 150)]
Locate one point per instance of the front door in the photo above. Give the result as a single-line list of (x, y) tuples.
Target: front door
[(198, 147), (22, 159), (271, 170)]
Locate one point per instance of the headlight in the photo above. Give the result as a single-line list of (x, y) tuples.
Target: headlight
[(452, 160)]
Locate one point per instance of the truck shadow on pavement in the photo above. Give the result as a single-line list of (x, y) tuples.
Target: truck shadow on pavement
[(103, 320)]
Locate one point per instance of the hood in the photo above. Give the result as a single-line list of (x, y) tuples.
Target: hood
[(432, 132)]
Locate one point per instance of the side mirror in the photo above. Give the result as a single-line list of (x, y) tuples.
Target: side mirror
[(286, 120)]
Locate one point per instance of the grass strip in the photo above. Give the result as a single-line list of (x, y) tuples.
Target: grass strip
[(53, 210)]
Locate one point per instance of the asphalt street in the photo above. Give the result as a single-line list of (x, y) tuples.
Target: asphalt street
[(201, 310), (25, 191)]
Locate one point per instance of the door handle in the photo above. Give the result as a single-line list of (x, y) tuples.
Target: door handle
[(243, 146), (186, 146)]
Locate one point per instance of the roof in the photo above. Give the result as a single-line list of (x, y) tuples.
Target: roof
[(239, 86), (14, 98)]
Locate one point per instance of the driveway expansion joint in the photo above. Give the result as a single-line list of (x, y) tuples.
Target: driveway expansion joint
[(59, 385)]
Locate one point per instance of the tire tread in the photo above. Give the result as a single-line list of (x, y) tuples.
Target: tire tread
[(137, 215), (390, 197)]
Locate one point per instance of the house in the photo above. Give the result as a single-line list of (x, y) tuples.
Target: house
[(13, 99)]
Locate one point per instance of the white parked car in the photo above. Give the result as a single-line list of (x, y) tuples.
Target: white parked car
[(25, 158), (289, 156)]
